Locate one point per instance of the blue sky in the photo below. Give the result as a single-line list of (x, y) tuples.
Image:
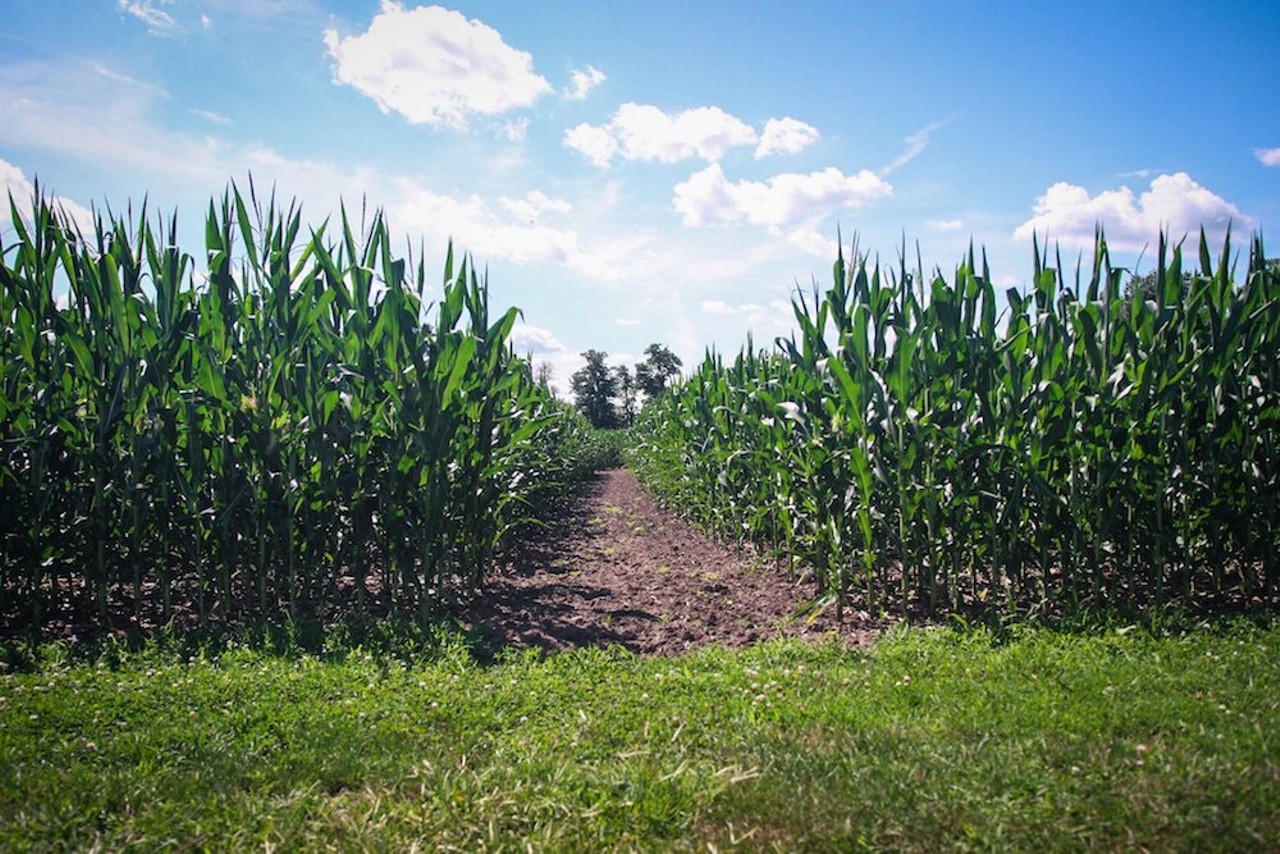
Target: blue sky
[(663, 171)]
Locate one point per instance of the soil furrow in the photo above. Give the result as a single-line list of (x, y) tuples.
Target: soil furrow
[(618, 569)]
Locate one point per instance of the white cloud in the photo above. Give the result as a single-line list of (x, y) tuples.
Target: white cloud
[(916, 143), (511, 234), (810, 241), (434, 66), (626, 321), (71, 111), (102, 71), (77, 113), (515, 131), (1067, 214), (477, 229), (531, 207), (946, 224), (1267, 156), (582, 82), (14, 184), (764, 321), (526, 338), (210, 115), (645, 132), (708, 198), (786, 136), (595, 143), (547, 351), (158, 21), (776, 317)]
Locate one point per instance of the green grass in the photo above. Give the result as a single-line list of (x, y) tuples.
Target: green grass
[(937, 739)]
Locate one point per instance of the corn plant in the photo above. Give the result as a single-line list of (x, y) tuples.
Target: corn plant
[(923, 443), (284, 425)]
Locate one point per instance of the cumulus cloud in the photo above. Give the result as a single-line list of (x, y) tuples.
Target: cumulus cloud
[(158, 21), (1066, 213), (434, 66), (528, 339), (946, 224), (597, 144), (716, 306), (15, 184), (786, 136), (1267, 156), (645, 132), (582, 82), (709, 198)]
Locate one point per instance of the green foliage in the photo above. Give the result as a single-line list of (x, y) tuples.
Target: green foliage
[(605, 448), (657, 370), (259, 432), (925, 444), (594, 388), (934, 740), (584, 448), (627, 391)]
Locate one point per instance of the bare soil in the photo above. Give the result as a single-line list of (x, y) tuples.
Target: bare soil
[(617, 569)]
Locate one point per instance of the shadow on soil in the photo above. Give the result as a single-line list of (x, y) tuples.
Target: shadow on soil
[(531, 604)]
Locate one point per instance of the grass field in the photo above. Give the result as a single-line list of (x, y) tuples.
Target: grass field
[(935, 739)]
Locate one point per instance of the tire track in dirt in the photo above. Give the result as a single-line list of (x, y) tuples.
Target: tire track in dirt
[(618, 569)]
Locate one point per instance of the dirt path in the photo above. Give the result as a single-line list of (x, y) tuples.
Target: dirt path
[(617, 569)]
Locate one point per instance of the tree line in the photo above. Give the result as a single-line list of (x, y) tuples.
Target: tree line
[(609, 397)]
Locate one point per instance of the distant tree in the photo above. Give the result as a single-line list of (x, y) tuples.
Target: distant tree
[(594, 388), (1147, 285), (626, 395), (655, 372)]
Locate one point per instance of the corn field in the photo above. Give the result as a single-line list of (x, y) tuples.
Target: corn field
[(284, 425), (923, 444)]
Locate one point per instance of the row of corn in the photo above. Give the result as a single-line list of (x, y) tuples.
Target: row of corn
[(287, 424), (926, 444)]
